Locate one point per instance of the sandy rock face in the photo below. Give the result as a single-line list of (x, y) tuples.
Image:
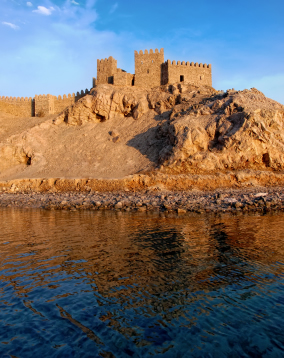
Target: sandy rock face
[(12, 155), (234, 130), (106, 102)]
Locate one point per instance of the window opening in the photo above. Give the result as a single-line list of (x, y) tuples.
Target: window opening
[(181, 78), (132, 81), (148, 71)]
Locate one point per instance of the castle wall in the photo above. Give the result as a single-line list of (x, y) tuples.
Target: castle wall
[(60, 103), (53, 105), (199, 74), (105, 70), (122, 78), (44, 104), (22, 107), (148, 68)]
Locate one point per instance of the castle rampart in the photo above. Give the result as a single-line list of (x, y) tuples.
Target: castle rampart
[(199, 74), (39, 105), (17, 106)]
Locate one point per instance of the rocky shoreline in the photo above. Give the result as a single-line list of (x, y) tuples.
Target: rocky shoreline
[(257, 199)]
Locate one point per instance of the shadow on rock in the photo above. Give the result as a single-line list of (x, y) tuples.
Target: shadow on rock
[(148, 144)]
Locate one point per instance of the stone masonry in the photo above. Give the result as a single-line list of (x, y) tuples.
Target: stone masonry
[(151, 71), (39, 105)]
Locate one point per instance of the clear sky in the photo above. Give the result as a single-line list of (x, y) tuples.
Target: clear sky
[(51, 46)]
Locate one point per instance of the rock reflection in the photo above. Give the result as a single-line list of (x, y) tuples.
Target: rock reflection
[(135, 274)]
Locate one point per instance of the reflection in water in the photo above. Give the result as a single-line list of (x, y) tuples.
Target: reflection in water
[(105, 284)]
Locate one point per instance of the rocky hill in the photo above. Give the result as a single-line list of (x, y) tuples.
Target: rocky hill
[(118, 131)]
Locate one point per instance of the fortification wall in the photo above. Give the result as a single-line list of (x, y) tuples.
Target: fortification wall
[(44, 105), (105, 70), (61, 102), (148, 68), (21, 107), (48, 104), (39, 105), (199, 74), (122, 78)]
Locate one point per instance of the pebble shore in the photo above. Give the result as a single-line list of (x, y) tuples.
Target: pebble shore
[(230, 200)]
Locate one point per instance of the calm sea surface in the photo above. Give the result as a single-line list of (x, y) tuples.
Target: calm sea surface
[(107, 284)]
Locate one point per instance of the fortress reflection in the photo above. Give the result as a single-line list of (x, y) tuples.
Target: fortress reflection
[(136, 265), (114, 249)]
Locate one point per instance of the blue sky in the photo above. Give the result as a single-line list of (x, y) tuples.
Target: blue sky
[(52, 46)]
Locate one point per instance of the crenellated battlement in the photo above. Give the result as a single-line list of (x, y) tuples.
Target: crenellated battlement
[(17, 106), (15, 99), (183, 63), (107, 60), (42, 103), (148, 67), (150, 52)]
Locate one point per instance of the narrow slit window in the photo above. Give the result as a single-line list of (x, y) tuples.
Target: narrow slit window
[(181, 78), (148, 71)]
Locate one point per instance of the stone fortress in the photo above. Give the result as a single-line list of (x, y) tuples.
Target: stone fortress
[(150, 71)]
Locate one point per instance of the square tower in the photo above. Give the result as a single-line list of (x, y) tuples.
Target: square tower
[(106, 69), (148, 68)]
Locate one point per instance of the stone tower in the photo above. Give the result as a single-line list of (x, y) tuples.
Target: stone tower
[(148, 68), (105, 70)]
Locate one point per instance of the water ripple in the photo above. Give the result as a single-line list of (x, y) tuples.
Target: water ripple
[(104, 284)]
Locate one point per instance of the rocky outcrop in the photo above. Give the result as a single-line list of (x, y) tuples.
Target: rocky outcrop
[(233, 130), (106, 102), (116, 131)]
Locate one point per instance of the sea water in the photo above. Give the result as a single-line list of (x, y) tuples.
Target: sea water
[(113, 284)]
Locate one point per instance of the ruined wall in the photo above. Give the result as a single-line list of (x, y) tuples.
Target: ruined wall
[(199, 74), (105, 70), (122, 78), (148, 68), (22, 107)]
